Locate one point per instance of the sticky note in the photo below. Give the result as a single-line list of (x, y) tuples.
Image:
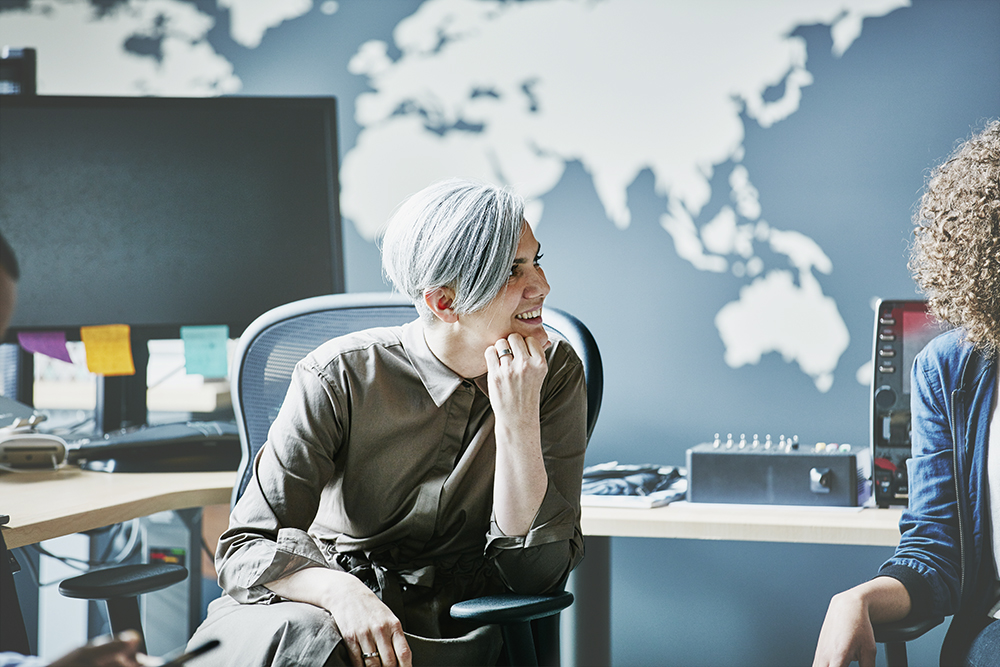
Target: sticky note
[(205, 350), (50, 343), (109, 349)]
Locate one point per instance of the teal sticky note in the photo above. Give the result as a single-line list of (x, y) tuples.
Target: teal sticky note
[(205, 350)]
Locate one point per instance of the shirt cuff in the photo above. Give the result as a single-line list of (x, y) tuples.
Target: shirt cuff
[(555, 521), (294, 551), (921, 594)]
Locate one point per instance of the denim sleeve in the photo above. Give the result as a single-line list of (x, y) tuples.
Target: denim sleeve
[(929, 543)]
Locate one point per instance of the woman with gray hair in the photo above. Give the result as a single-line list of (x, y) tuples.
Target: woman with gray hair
[(416, 466)]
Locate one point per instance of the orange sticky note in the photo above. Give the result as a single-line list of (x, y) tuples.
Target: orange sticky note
[(109, 349)]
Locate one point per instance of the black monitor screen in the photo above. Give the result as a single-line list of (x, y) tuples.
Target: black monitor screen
[(160, 213)]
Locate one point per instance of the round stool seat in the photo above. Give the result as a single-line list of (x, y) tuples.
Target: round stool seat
[(123, 581)]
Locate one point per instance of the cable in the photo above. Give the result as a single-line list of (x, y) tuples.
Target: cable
[(167, 376), (84, 564), (71, 428)]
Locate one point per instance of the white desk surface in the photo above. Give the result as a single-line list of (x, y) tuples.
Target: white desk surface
[(757, 523)]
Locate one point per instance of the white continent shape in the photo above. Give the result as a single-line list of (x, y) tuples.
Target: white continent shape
[(89, 47), (250, 19), (511, 92)]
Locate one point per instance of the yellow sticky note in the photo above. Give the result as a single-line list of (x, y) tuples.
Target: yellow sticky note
[(109, 349)]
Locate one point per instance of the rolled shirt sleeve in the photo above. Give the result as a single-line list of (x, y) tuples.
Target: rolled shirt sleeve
[(268, 535), (540, 560)]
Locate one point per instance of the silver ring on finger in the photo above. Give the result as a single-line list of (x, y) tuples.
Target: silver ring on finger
[(368, 656), (505, 352)]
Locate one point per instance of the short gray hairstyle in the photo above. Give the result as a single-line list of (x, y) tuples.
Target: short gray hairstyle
[(455, 233)]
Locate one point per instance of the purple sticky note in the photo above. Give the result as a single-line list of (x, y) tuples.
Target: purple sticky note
[(49, 343)]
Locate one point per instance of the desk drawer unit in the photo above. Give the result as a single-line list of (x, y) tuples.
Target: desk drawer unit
[(779, 474)]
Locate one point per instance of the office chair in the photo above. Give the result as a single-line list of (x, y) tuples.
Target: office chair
[(894, 636), (262, 368), (120, 587)]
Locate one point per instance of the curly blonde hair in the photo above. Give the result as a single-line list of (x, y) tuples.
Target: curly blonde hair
[(955, 257)]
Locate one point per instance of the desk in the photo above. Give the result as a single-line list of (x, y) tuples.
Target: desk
[(587, 624), (43, 505), (47, 504), (757, 523)]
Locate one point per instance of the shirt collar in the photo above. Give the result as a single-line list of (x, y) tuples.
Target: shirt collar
[(439, 380)]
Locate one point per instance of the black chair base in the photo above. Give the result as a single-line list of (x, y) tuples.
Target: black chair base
[(514, 614), (895, 635)]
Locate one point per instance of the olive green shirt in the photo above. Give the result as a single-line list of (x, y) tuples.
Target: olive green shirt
[(382, 454)]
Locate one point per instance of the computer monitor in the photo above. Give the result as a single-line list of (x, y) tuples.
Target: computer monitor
[(165, 212)]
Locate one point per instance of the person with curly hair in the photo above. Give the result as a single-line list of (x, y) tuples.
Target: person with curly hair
[(948, 558)]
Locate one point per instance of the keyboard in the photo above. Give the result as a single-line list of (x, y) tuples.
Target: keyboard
[(180, 447)]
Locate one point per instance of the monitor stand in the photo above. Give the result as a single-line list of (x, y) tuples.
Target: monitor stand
[(121, 401)]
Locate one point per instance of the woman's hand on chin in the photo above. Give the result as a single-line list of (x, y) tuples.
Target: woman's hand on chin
[(516, 368)]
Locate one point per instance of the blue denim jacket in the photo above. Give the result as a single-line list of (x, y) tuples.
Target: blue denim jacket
[(944, 556)]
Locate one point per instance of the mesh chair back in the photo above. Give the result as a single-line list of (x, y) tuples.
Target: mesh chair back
[(271, 346), (273, 343), (583, 343)]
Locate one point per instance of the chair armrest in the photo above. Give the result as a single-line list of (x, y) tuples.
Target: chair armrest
[(123, 581), (504, 609), (905, 630)]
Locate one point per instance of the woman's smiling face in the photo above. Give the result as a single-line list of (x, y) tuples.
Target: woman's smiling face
[(518, 306)]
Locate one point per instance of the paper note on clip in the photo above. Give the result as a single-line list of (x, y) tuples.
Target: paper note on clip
[(109, 349), (205, 350), (50, 343)]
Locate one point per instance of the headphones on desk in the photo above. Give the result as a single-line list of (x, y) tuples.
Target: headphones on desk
[(22, 449)]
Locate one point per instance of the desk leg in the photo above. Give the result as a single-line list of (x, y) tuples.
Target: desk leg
[(192, 520), (177, 609), (586, 625)]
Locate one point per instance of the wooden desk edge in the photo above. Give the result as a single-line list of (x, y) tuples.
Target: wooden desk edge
[(867, 527), (211, 489), (873, 527)]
